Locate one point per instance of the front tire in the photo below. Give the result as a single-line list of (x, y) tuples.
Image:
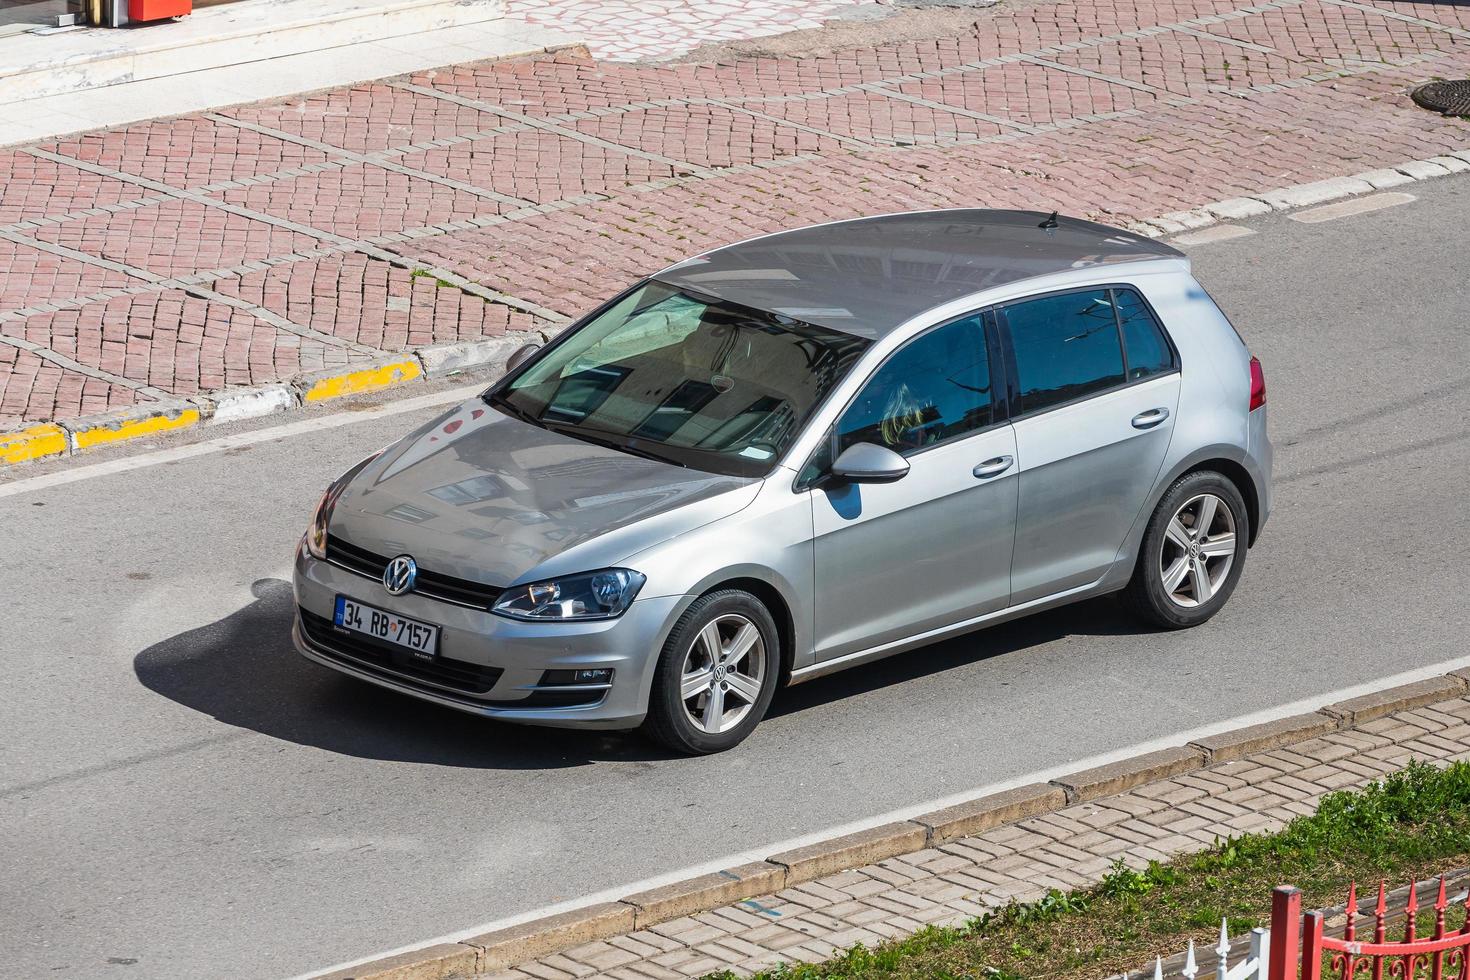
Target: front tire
[(1192, 553), (716, 674)]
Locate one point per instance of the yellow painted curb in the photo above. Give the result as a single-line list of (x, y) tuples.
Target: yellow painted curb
[(368, 379), (34, 443), (135, 428)]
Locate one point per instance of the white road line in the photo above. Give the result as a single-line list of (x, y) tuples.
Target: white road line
[(1305, 705), (1350, 207), (1215, 233), (251, 438)]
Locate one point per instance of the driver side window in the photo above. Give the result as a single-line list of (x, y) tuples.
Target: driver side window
[(934, 389)]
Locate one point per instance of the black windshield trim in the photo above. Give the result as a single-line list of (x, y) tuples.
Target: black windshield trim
[(497, 400), (612, 440)]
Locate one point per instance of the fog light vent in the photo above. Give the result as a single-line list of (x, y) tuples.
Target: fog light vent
[(566, 678)]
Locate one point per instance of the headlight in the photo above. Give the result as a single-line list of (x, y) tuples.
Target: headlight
[(593, 595), (316, 532)]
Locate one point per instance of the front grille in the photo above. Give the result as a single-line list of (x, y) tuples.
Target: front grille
[(387, 659), (355, 559), (446, 588)]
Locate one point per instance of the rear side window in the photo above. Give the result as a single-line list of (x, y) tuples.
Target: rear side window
[(1066, 347), (1148, 351), (934, 389)]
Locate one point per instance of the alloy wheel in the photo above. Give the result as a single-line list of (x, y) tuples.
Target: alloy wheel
[(723, 673), (1198, 550)]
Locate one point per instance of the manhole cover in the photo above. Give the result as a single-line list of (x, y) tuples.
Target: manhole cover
[(1450, 97)]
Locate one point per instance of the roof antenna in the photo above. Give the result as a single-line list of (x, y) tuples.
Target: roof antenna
[(1050, 224)]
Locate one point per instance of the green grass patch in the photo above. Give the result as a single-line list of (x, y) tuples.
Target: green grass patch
[(1415, 823), (426, 274)]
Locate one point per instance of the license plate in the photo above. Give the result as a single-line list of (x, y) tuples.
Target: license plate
[(419, 639)]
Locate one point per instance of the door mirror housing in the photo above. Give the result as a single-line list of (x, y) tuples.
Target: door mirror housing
[(521, 355), (867, 462)]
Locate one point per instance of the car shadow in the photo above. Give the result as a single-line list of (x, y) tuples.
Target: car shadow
[(244, 671)]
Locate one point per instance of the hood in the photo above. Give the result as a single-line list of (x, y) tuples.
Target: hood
[(485, 497)]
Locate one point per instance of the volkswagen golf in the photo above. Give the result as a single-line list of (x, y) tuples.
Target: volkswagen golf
[(797, 454)]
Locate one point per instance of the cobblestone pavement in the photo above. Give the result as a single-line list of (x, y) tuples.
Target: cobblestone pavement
[(653, 30), (240, 247), (1066, 849)]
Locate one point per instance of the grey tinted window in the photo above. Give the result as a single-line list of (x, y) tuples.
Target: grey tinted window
[(1148, 351), (819, 463), (936, 388), (1066, 347)]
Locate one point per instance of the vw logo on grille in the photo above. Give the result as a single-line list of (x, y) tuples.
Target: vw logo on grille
[(399, 576)]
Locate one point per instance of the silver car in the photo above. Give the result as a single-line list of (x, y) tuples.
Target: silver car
[(797, 454)]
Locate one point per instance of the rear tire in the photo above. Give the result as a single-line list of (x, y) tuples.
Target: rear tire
[(716, 674), (1192, 553)]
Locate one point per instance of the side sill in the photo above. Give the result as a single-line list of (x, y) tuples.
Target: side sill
[(825, 667)]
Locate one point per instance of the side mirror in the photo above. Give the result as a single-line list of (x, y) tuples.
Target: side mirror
[(866, 462), (520, 356)]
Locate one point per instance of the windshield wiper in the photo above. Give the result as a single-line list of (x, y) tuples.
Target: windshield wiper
[(609, 440), (498, 400), (595, 437)]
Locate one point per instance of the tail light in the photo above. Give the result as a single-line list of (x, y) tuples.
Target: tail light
[(1258, 384)]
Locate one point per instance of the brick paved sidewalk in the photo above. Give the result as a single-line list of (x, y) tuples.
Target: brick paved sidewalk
[(640, 30), (180, 256), (1065, 849)]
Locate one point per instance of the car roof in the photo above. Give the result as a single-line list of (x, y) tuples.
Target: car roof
[(868, 276)]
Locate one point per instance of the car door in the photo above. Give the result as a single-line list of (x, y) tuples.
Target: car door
[(933, 548), (1094, 391)]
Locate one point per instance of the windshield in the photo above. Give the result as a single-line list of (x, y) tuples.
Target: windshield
[(687, 379)]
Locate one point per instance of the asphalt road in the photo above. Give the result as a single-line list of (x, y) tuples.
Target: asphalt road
[(181, 796)]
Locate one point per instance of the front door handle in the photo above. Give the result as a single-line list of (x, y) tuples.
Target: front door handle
[(1151, 418), (994, 467)]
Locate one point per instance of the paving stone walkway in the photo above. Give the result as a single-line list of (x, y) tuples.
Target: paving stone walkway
[(179, 256), (656, 30), (1065, 849)]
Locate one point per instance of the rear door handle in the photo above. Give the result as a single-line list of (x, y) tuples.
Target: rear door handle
[(994, 467), (1151, 418)]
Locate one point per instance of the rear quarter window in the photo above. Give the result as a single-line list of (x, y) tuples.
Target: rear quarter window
[(1148, 351)]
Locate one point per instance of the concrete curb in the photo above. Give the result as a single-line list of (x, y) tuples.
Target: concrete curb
[(516, 944), (434, 963), (539, 937), (322, 386), (706, 892), (72, 436), (1355, 711), (1302, 195), (1117, 777), (851, 851), (34, 442), (1229, 746), (988, 812), (140, 421)]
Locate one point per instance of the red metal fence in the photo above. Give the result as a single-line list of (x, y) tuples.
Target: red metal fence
[(1300, 940)]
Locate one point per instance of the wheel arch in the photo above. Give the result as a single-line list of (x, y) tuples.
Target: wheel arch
[(1244, 482), (1230, 461), (780, 610)]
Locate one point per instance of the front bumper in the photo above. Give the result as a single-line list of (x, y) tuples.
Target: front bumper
[(472, 638)]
